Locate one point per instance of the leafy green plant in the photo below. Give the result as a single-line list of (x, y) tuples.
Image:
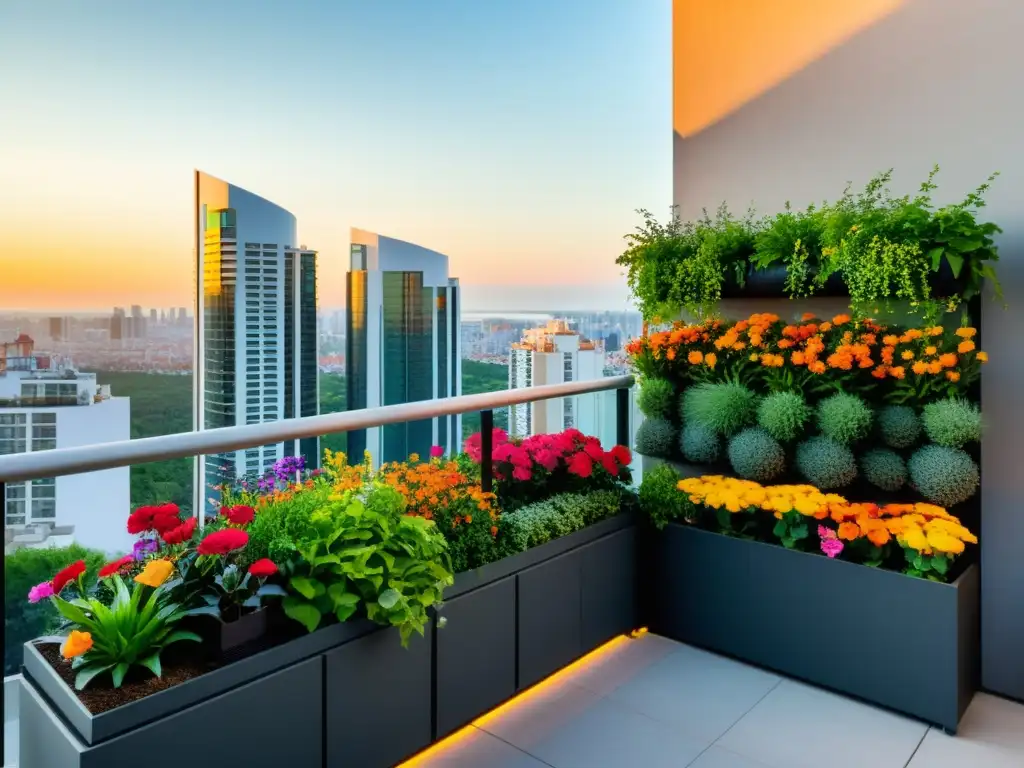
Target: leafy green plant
[(845, 418), (755, 455), (899, 425), (953, 422), (660, 498), (700, 444), (884, 469), (825, 463), (133, 630), (358, 550), (655, 437), (656, 398), (725, 407), (944, 476), (784, 415), (562, 514)]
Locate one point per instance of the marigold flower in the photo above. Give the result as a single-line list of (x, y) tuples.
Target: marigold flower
[(710, 359), (935, 367), (840, 319), (67, 575), (966, 333), (223, 542), (920, 368), (76, 644), (890, 340), (695, 357), (816, 367), (155, 573), (907, 355), (947, 360), (930, 350), (953, 376), (935, 330), (982, 357), (897, 372), (797, 358), (263, 568), (824, 327), (965, 346), (806, 316)]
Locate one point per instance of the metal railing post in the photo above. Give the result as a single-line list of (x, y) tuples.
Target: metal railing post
[(486, 451), (622, 417)]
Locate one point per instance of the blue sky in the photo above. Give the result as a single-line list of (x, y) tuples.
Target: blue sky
[(516, 136)]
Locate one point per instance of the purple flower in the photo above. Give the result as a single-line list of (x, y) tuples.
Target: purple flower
[(144, 547), (40, 592), (831, 547)]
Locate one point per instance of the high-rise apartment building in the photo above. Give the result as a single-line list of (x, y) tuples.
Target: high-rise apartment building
[(60, 328), (402, 343), (256, 334), (554, 354), (45, 404)]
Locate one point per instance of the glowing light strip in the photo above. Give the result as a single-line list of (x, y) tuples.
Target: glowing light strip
[(518, 700)]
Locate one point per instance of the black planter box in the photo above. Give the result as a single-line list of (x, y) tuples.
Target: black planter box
[(516, 621), (903, 643)]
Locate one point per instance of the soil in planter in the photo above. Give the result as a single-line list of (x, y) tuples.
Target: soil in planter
[(138, 683)]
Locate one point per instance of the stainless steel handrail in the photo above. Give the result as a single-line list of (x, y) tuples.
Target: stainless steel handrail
[(70, 461)]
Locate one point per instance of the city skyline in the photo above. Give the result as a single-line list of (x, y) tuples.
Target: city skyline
[(533, 180)]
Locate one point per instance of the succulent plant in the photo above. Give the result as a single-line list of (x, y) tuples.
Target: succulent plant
[(943, 475), (784, 415), (656, 398), (953, 423), (756, 455), (845, 418), (725, 408), (899, 426), (700, 444), (656, 437), (825, 463), (884, 469)]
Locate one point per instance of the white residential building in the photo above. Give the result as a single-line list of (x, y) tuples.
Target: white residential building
[(555, 354), (45, 404), (256, 331), (403, 343)]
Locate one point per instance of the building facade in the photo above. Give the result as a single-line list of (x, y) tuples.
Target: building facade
[(554, 354), (403, 343), (45, 404), (255, 326)]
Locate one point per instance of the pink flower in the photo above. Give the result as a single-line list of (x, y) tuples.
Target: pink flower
[(520, 457), (546, 458), (522, 473), (436, 451), (831, 547), (581, 465), (826, 533), (504, 452), (40, 592)]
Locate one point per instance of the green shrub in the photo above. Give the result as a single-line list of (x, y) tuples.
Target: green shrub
[(756, 455), (23, 569), (660, 498), (547, 520), (899, 426), (884, 469), (825, 463), (784, 415), (844, 418), (952, 423), (700, 444), (655, 437), (656, 398), (725, 408), (945, 476)]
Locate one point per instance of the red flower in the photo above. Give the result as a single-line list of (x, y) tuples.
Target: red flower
[(222, 542), (593, 449), (180, 533), (115, 567), (66, 576), (622, 455), (581, 465), (609, 464), (239, 515), (159, 519), (261, 569), (522, 473), (547, 459)]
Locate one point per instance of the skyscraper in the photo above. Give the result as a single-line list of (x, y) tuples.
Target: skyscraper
[(402, 343), (256, 335)]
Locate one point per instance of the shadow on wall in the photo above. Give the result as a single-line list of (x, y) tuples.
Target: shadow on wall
[(921, 82)]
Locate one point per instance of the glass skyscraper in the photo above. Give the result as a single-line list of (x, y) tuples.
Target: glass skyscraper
[(256, 332), (402, 343)]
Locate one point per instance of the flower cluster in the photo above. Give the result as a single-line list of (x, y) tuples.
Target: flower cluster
[(925, 529), (928, 361), (433, 485), (542, 455)]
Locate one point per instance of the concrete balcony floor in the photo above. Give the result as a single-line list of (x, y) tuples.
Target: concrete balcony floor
[(656, 703)]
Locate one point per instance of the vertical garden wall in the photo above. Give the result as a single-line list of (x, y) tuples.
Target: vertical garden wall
[(883, 84)]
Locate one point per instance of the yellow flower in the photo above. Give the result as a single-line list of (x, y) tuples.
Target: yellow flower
[(930, 350), (965, 347), (982, 357), (965, 333), (155, 573), (907, 355), (914, 538), (754, 357), (76, 644)]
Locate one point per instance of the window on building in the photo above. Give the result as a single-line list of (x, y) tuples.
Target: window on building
[(44, 509)]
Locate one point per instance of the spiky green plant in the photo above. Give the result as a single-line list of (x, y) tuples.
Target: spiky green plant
[(943, 475), (784, 415), (899, 426), (844, 417), (725, 407), (825, 463), (884, 469), (656, 437), (756, 455), (700, 444), (656, 398), (953, 423)]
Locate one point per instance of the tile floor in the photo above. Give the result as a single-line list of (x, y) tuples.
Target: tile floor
[(655, 703)]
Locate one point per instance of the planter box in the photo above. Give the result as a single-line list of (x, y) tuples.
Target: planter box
[(903, 643), (770, 283), (516, 621), (682, 468)]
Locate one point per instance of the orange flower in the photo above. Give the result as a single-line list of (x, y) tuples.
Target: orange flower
[(953, 376), (935, 330), (879, 536), (880, 372), (966, 333), (947, 360), (898, 372), (785, 343), (76, 644), (849, 531), (887, 353), (825, 327), (890, 340), (934, 367), (919, 368), (982, 357), (930, 350), (806, 316), (907, 355), (710, 359), (841, 319), (965, 347), (911, 335), (798, 358), (817, 367), (695, 357)]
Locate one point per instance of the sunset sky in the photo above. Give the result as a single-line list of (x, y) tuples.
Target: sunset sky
[(517, 137)]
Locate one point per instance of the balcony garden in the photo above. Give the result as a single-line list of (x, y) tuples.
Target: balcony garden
[(818, 477), (332, 590)]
